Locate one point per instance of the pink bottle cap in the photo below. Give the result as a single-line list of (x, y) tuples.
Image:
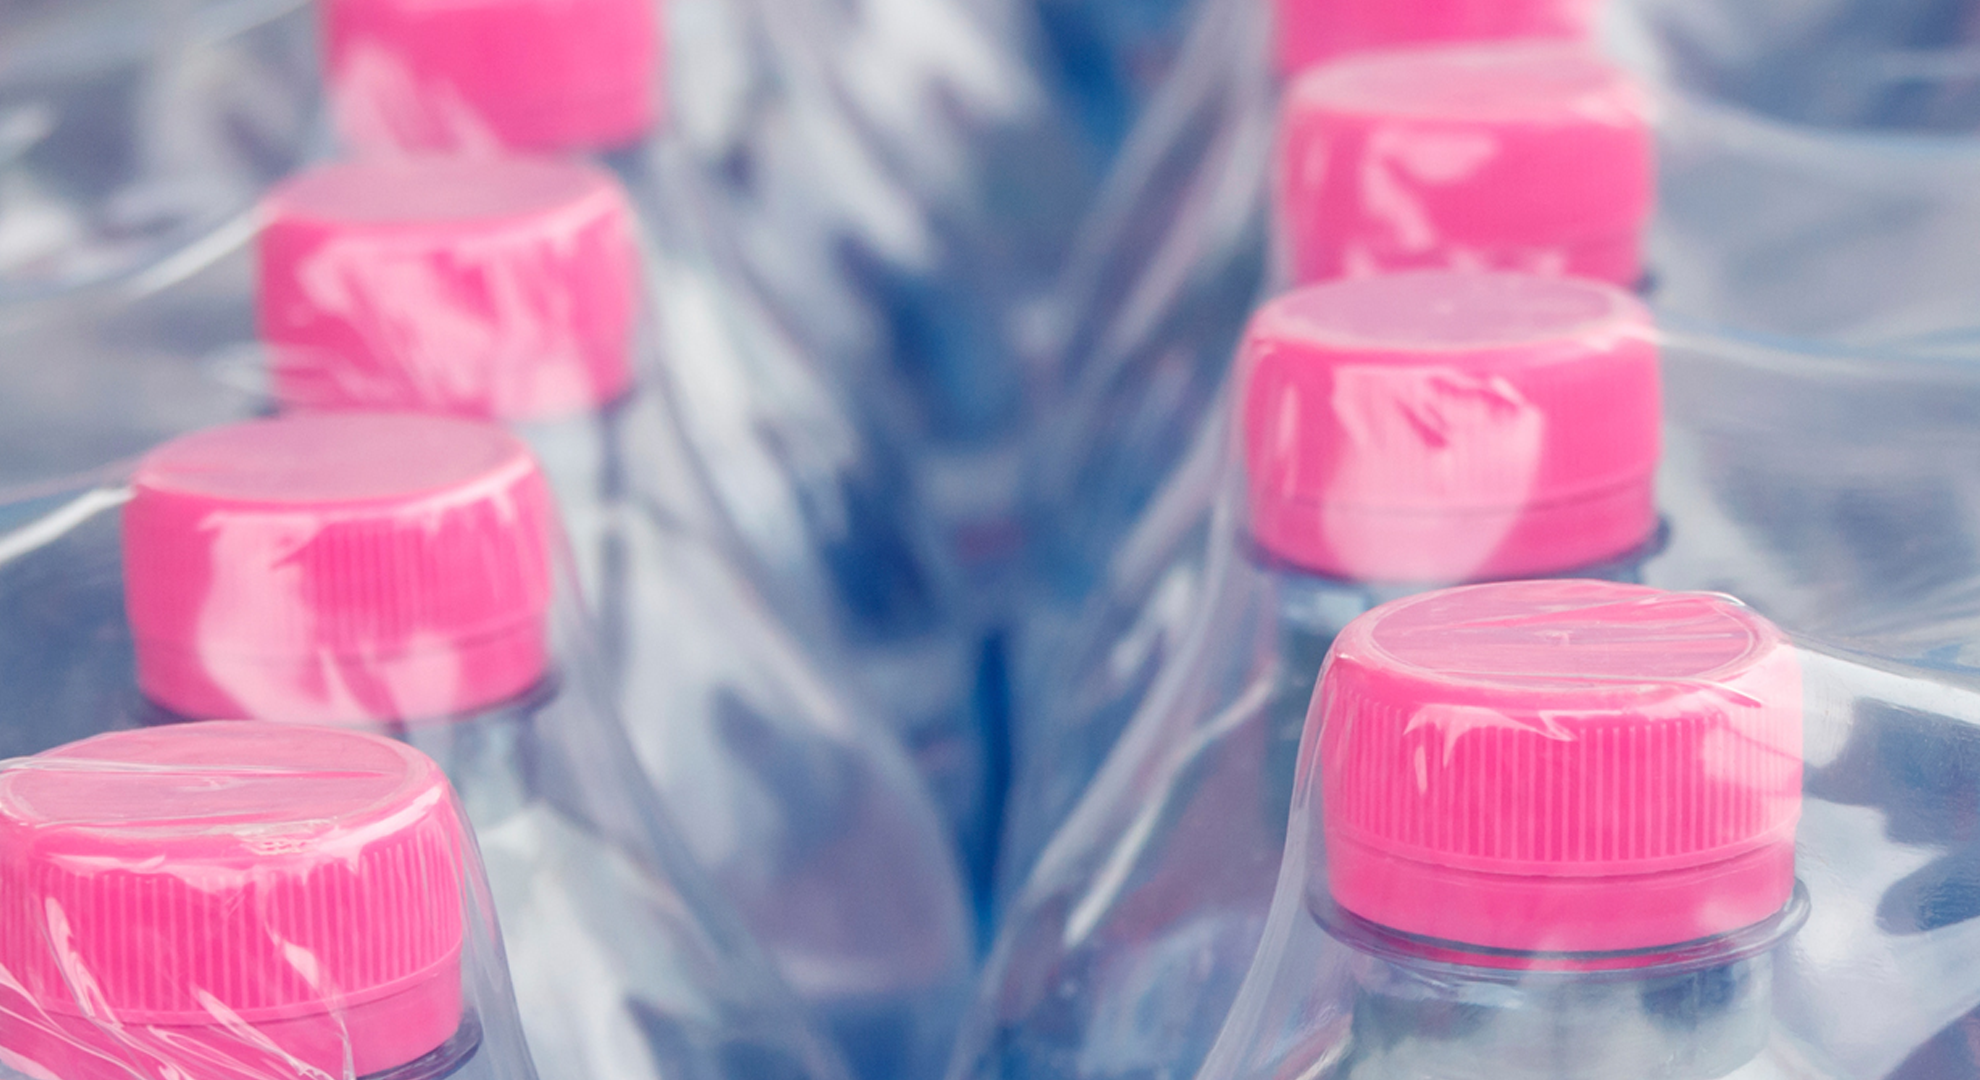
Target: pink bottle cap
[(1527, 156), (1310, 31), (1441, 427), (1561, 766), (228, 899), (501, 289), (454, 75), (339, 568)]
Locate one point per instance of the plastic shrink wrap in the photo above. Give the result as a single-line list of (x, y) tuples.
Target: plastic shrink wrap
[(247, 900), (1728, 855), (1793, 479)]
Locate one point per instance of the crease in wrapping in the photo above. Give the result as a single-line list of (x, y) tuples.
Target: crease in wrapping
[(507, 290), (1522, 156), (1447, 427), (242, 900)]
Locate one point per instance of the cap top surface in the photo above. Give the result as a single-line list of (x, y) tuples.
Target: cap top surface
[(437, 190), (1523, 82), (1560, 637), (203, 779), (353, 458), (1444, 311)]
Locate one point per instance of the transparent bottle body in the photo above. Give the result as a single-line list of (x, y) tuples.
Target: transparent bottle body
[(1698, 1019), (624, 962), (1146, 315), (811, 820), (802, 483)]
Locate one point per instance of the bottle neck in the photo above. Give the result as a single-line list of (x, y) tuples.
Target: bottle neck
[(1701, 1011), (485, 753), (451, 1057), (1314, 605), (1453, 1024)]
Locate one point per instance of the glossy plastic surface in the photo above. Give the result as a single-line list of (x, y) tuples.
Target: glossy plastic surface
[(247, 900), (133, 129), (544, 75), (504, 289), (1431, 426), (1310, 31), (1126, 944), (307, 570), (1449, 426), (1523, 156), (1561, 767)]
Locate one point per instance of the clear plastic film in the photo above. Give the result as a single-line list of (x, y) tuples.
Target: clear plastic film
[(405, 575), (1796, 815), (655, 391), (1142, 326), (132, 130), (905, 190), (1817, 164), (688, 473), (1345, 139), (1804, 482), (1139, 337), (251, 901)]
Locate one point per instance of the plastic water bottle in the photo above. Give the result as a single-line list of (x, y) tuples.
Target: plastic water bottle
[(1428, 157), (1449, 157), (806, 474), (398, 573), (248, 901), (1543, 829), (1418, 427)]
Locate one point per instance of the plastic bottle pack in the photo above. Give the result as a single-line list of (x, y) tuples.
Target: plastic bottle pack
[(634, 539)]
